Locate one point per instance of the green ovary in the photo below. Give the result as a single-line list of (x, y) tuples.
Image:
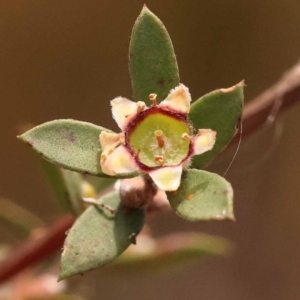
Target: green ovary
[(144, 142)]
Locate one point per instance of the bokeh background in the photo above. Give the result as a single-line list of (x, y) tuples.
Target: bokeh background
[(67, 59)]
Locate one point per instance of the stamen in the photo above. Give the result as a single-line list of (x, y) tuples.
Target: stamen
[(159, 159), (138, 153), (185, 136), (152, 98), (159, 136)]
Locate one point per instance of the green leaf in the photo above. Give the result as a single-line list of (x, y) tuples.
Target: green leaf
[(71, 144), (202, 196), (98, 236), (172, 252), (67, 187), (220, 110), (152, 62)]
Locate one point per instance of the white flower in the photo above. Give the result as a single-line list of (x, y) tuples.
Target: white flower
[(157, 140)]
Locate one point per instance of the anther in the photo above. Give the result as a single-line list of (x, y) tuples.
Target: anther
[(152, 98), (159, 136), (185, 136), (159, 159)]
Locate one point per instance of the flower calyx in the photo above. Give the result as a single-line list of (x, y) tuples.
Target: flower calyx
[(157, 140)]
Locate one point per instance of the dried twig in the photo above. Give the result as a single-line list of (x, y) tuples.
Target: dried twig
[(270, 103)]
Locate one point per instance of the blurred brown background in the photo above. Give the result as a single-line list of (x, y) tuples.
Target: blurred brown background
[(67, 59)]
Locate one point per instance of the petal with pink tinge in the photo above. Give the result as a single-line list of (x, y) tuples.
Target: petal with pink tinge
[(123, 110)]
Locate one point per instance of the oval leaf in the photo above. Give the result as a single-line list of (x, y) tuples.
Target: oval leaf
[(71, 144), (202, 196), (220, 110), (152, 62), (98, 236)]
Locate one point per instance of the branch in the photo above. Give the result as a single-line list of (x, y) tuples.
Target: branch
[(269, 104), (273, 101), (36, 249)]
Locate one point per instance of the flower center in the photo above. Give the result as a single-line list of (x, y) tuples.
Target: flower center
[(157, 137)]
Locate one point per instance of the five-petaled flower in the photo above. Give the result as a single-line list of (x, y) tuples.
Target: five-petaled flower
[(157, 140)]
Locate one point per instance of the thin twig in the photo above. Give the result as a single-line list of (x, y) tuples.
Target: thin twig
[(104, 206), (279, 97)]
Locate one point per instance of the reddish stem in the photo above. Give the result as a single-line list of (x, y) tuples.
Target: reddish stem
[(36, 249)]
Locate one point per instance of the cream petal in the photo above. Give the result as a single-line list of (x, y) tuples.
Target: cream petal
[(119, 161), (123, 110), (204, 141), (178, 100), (167, 178), (109, 141)]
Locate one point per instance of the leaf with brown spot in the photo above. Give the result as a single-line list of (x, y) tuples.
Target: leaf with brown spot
[(212, 197), (71, 144)]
